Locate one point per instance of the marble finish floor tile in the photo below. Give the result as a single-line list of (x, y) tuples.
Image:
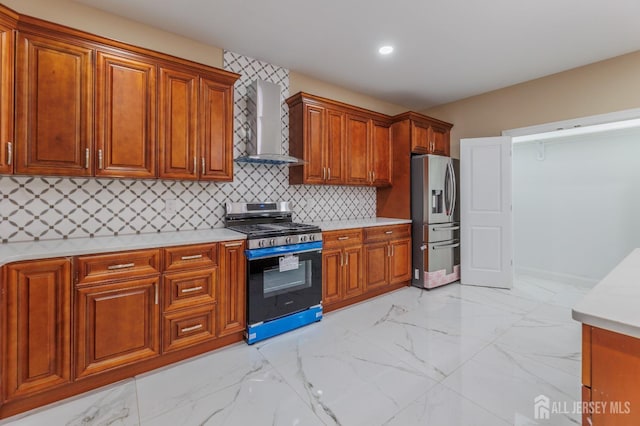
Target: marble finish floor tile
[(455, 355)]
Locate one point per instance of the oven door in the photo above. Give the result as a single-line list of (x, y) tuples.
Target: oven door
[(283, 281)]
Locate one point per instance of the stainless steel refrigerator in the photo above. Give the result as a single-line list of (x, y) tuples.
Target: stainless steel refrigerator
[(435, 218)]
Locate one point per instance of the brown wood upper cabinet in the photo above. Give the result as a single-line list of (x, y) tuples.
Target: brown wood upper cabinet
[(126, 115), (7, 42), (428, 135), (196, 125), (54, 106), (89, 106), (342, 144)]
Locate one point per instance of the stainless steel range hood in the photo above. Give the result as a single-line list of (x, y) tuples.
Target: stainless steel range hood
[(264, 133)]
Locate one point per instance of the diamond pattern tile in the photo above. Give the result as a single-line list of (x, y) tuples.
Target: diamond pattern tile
[(45, 208)]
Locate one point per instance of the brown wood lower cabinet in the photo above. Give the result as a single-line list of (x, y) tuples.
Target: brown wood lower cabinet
[(120, 315), (610, 371), (117, 324), (232, 315), (353, 271), (341, 266), (387, 256), (37, 331)]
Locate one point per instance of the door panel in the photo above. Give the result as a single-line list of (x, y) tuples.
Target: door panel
[(126, 113), (376, 264), (486, 233), (314, 143), (353, 279), (233, 285), (117, 324), (178, 112), (335, 146), (358, 172), (331, 276), (54, 107), (38, 334), (216, 135), (6, 99), (400, 270), (381, 154)]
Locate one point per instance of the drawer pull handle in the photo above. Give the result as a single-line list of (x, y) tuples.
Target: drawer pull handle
[(121, 266), (389, 232), (342, 238), (191, 290), (192, 257), (192, 328), (233, 245)]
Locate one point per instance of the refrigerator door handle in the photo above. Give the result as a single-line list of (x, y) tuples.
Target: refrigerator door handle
[(445, 246), (454, 197), (447, 190)]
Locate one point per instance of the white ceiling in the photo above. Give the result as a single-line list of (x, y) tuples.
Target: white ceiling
[(444, 49)]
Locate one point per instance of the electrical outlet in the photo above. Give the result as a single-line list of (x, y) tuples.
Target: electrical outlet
[(170, 206)]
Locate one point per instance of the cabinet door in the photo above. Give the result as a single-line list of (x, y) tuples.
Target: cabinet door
[(419, 137), (178, 116), (358, 136), (332, 271), (353, 280), (6, 99), (233, 285), (126, 115), (38, 327), (376, 264), (314, 144), (439, 140), (400, 270), (216, 130), (54, 107), (335, 147), (117, 324), (381, 161)]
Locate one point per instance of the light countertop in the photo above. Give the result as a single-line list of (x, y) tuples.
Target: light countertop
[(30, 250), (336, 225), (614, 303), (12, 252)]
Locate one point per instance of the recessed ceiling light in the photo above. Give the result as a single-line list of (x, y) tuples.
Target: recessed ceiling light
[(385, 50)]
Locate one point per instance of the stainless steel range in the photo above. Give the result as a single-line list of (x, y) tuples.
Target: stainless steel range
[(284, 268)]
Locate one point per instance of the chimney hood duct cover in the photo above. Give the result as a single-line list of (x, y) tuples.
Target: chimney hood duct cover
[(264, 138)]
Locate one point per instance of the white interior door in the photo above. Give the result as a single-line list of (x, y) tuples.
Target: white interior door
[(485, 212)]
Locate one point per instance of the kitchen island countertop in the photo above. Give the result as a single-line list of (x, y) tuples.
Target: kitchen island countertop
[(613, 303)]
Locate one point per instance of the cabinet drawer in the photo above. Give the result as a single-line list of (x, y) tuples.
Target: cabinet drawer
[(183, 289), (189, 327), (342, 238), (385, 233), (189, 257), (115, 266)]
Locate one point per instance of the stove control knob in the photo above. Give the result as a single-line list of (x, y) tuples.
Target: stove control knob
[(303, 238), (312, 237), (288, 240), (261, 243), (272, 242)]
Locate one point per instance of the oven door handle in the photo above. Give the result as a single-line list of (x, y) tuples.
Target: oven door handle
[(283, 250)]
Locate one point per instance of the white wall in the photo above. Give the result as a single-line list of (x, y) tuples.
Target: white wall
[(576, 213)]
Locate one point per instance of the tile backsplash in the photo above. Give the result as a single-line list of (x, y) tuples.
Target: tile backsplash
[(39, 208)]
